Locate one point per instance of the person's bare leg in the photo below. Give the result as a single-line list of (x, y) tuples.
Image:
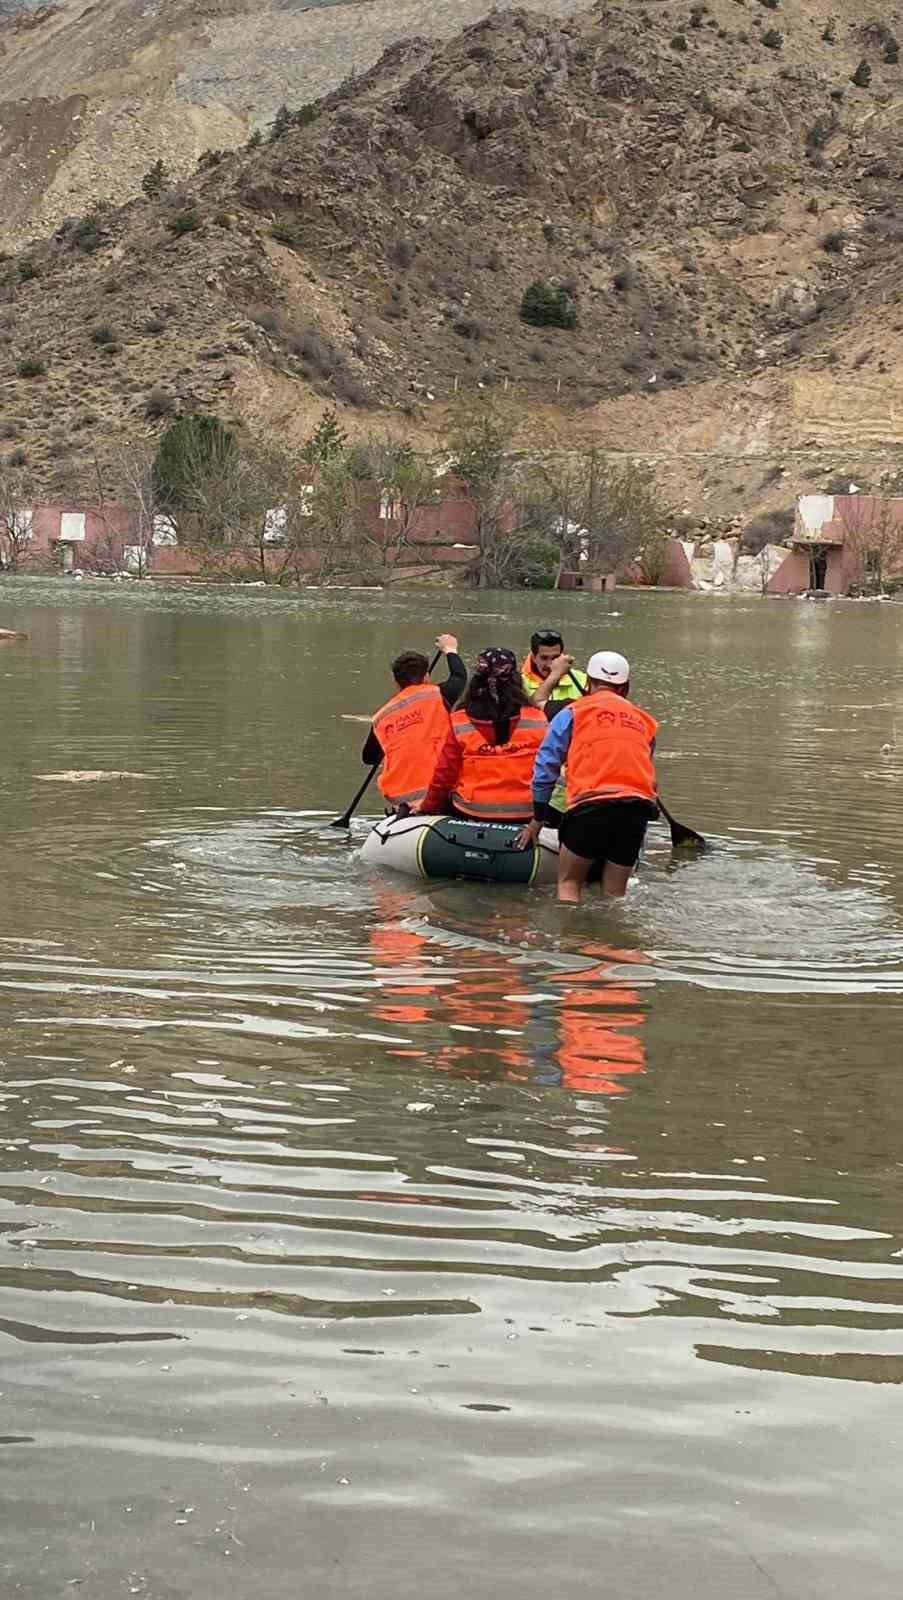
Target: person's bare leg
[(615, 880), (572, 873)]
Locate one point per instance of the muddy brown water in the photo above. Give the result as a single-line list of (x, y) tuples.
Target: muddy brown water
[(367, 1237)]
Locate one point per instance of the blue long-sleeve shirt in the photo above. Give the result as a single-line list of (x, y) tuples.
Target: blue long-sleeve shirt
[(552, 756)]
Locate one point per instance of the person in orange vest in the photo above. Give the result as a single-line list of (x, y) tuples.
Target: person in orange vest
[(607, 744), (408, 732), (484, 769)]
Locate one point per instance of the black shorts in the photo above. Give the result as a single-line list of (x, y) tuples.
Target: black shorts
[(607, 830)]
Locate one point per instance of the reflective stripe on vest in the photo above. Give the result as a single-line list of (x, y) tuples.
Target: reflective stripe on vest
[(609, 756), (495, 778), (412, 727)]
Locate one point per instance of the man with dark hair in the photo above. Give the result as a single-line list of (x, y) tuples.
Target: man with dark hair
[(551, 683), (608, 744), (408, 732), (546, 652)]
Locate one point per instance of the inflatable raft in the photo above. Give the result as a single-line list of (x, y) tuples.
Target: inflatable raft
[(444, 847)]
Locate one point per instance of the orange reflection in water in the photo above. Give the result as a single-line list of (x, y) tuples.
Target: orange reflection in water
[(590, 1044), (392, 946), (599, 1046)]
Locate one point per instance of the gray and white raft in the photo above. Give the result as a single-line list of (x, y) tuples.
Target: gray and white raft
[(445, 847)]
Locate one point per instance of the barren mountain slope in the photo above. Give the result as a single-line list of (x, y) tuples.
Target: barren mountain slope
[(92, 93), (722, 210)]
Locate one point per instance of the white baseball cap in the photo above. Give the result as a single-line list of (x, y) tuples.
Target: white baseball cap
[(606, 666)]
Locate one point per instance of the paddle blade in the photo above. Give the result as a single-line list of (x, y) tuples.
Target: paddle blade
[(681, 838), (685, 838)]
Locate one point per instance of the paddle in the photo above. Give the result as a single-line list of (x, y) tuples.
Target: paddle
[(682, 838), (344, 821)]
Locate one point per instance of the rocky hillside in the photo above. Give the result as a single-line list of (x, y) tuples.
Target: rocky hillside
[(714, 186), (93, 91)]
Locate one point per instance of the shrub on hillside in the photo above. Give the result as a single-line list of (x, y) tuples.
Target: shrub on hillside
[(28, 270), (862, 77), (265, 319), (773, 40), (679, 42), (31, 367), (770, 527), (834, 242), (469, 328), (878, 33), (155, 179), (547, 305), (158, 403), (184, 222), (286, 233), (820, 131), (87, 233), (103, 334), (319, 354), (285, 119), (402, 250)]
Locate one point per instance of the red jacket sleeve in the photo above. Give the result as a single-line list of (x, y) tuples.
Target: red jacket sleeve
[(445, 778)]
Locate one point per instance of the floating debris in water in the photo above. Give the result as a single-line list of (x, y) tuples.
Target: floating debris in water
[(75, 776)]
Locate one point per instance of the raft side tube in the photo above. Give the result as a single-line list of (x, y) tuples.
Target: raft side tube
[(446, 847)]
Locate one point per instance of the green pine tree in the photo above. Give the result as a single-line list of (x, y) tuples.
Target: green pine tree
[(328, 440)]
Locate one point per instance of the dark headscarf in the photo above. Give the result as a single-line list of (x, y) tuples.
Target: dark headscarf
[(495, 693)]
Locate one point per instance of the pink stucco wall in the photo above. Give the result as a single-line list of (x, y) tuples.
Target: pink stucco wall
[(792, 576), (676, 573), (439, 530)]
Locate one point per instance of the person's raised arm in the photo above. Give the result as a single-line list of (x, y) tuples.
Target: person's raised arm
[(456, 682), (559, 669)]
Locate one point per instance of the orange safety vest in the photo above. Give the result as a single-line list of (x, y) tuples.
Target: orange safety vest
[(412, 727), (494, 785), (610, 756)]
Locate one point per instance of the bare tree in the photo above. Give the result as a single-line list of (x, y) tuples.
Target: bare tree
[(652, 557), (407, 484), (605, 512), (17, 502), (330, 538), (135, 472), (131, 547), (512, 521), (876, 540), (247, 512)]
